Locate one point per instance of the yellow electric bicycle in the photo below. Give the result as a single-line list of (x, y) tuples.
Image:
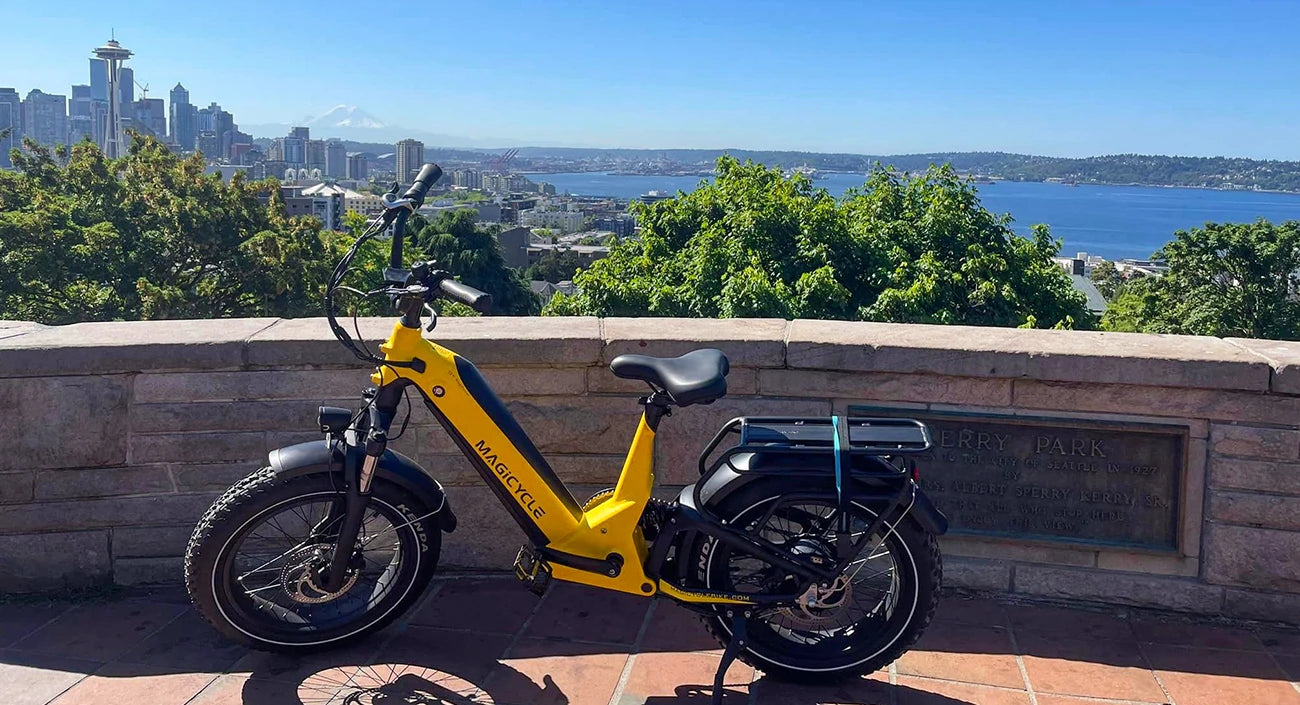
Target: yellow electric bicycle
[(807, 546)]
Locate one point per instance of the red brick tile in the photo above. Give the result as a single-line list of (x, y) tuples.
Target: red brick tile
[(19, 620), (923, 691), (869, 690), (187, 644), (240, 689), (289, 668), (675, 628), (1183, 633), (123, 683), (1067, 700), (1061, 622), (1089, 667), (975, 611), (405, 684), (35, 679), (99, 632), (1280, 642), (1210, 677), (684, 676), (536, 672), (964, 653), (588, 614), (468, 656), (488, 605)]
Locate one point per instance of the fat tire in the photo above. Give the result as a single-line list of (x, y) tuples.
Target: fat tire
[(929, 576), (253, 494)]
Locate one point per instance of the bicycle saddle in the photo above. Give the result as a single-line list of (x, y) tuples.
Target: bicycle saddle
[(698, 377)]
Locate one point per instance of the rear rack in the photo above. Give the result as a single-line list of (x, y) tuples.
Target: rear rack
[(827, 434)]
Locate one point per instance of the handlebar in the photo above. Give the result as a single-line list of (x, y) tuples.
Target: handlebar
[(478, 300), (429, 173)]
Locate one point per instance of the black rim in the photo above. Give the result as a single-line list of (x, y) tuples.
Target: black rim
[(856, 618), (266, 580)]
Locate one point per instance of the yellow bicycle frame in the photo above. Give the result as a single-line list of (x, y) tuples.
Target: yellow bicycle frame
[(511, 465)]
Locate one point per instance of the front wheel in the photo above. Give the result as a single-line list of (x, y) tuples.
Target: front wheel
[(253, 562), (862, 622)]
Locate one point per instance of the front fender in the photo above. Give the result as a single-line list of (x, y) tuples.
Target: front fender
[(314, 457)]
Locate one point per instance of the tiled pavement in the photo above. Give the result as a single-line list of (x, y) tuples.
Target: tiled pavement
[(487, 640)]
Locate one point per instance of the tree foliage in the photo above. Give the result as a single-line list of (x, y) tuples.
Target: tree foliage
[(1237, 279), (554, 266), (149, 235), (753, 243), (473, 255)]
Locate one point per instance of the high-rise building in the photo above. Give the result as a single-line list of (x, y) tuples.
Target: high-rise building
[(214, 119), (183, 118), (113, 54), (231, 138), (469, 178), (358, 166), (45, 117), (410, 156), (81, 115), (316, 154), (302, 133), (208, 143), (336, 159), (151, 118), (126, 99), (11, 124)]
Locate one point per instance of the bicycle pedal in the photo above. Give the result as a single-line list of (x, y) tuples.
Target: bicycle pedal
[(532, 571)]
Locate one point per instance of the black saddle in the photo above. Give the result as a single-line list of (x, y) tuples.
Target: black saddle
[(698, 377)]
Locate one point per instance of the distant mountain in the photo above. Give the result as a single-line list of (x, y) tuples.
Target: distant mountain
[(345, 116), (351, 123)]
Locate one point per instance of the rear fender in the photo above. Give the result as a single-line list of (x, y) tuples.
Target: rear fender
[(318, 457)]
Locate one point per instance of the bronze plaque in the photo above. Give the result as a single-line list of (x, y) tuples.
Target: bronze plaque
[(1057, 479)]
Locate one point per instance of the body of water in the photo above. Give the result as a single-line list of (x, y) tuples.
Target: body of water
[(1112, 221)]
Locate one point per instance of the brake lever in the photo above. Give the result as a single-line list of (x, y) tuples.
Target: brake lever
[(433, 317)]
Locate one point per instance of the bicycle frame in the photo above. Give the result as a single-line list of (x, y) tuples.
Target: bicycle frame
[(603, 546)]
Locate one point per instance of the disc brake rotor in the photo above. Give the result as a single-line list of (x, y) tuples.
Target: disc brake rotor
[(298, 579)]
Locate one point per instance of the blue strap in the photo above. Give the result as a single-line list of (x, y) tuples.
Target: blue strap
[(835, 440)]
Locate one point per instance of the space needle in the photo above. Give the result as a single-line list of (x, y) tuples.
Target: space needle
[(114, 55)]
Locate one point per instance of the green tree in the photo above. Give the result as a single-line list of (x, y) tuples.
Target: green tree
[(753, 242), (1108, 279), (473, 256), (1230, 279), (554, 266), (149, 235)]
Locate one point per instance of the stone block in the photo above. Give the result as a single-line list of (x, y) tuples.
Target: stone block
[(885, 386), (493, 340), (976, 574), (263, 385), (65, 421), (740, 381), (151, 541), (10, 329), (16, 487), (214, 447), (1282, 355), (683, 435), (1255, 442), (1155, 401), (1153, 563), (64, 515), (573, 424), (211, 477), (227, 416), (486, 537), (1250, 509), (1265, 606), (1263, 476), (747, 342), (534, 381), (148, 571), (102, 482), (973, 547), (39, 562), (1080, 356), (130, 346), (1162, 592), (1264, 559)]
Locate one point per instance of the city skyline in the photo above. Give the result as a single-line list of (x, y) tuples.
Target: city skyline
[(1156, 78)]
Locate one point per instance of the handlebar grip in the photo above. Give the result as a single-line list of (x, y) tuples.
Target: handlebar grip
[(478, 300), (429, 173)]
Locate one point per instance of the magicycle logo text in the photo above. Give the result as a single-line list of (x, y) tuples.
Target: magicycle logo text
[(512, 483)]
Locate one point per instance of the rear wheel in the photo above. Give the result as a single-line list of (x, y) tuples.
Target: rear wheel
[(253, 563), (863, 621)]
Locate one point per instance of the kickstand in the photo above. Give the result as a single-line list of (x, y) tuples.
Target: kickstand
[(739, 639)]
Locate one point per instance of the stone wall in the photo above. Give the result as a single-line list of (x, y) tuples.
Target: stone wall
[(119, 435)]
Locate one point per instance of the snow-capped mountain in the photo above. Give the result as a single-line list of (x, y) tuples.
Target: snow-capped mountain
[(345, 116)]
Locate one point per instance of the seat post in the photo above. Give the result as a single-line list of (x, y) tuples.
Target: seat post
[(657, 405)]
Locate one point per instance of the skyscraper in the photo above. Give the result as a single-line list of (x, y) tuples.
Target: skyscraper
[(336, 159), (183, 117), (113, 55), (358, 166), (45, 118), (81, 115), (151, 117), (11, 119), (126, 99), (410, 155)]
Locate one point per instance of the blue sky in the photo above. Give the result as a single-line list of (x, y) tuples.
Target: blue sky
[(1049, 77)]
